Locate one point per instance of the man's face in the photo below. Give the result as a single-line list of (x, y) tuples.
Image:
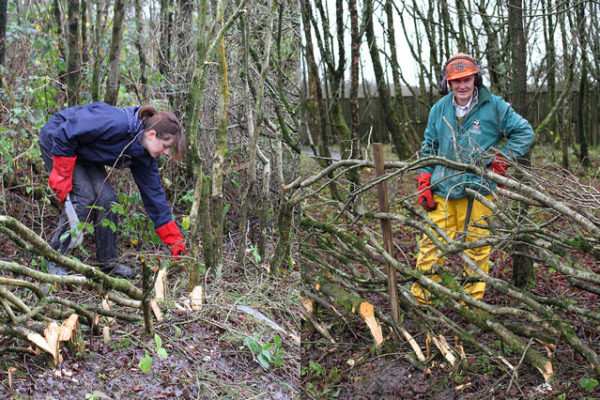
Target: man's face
[(463, 89)]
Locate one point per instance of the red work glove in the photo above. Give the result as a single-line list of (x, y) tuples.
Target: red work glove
[(170, 235), (61, 176), (499, 166), (425, 198)]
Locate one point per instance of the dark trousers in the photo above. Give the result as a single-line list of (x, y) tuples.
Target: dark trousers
[(90, 187)]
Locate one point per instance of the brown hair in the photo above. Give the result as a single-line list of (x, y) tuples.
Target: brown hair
[(167, 127)]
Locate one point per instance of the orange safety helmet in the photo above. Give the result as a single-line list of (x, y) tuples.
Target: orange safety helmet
[(459, 66)]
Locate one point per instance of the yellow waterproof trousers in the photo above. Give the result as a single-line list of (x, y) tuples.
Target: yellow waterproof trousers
[(450, 215)]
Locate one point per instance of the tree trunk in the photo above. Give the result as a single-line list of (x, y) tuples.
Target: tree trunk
[(282, 254), (461, 26), (391, 119), (583, 90), (565, 125), (200, 220), (184, 50), (254, 116), (219, 161), (315, 107), (355, 39), (3, 11), (409, 126), (58, 19), (85, 57), (164, 49), (523, 273), (73, 54), (97, 51), (549, 31), (195, 96), (141, 51), (492, 48), (114, 59)]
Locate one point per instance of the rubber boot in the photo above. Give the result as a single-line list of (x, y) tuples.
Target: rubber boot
[(55, 269), (117, 269)]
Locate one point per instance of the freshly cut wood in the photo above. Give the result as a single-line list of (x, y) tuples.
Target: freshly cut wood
[(156, 310), (196, 298), (351, 303), (442, 345), (366, 309), (317, 325), (106, 334), (160, 285), (65, 331), (413, 343), (51, 336), (307, 303), (39, 341)]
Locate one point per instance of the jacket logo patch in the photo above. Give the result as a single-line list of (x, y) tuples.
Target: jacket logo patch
[(475, 129)]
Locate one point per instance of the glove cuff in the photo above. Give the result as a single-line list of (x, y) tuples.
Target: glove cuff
[(64, 165)]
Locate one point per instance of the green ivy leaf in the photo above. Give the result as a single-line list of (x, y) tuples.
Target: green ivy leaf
[(588, 384), (267, 355), (253, 345), (162, 353), (265, 364), (158, 341), (145, 363)]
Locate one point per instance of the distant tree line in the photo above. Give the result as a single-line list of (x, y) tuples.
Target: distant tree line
[(540, 55)]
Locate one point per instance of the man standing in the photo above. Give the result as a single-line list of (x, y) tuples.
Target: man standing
[(464, 126)]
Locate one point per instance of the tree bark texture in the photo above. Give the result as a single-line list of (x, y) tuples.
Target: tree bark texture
[(392, 122), (85, 57), (3, 11), (114, 59), (219, 158), (97, 52), (583, 88), (139, 44), (73, 53), (523, 273)]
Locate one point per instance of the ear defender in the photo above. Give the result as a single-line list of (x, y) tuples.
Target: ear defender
[(459, 66)]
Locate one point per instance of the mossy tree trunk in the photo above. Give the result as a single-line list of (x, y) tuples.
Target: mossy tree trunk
[(3, 11), (73, 53), (139, 44), (164, 48), (523, 273), (97, 52), (255, 121), (392, 122), (219, 158), (114, 59), (355, 40), (409, 127), (208, 194), (582, 116)]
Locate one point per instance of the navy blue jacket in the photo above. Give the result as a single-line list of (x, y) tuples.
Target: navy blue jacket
[(102, 134)]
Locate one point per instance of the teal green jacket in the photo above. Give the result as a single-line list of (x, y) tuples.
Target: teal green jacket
[(491, 123)]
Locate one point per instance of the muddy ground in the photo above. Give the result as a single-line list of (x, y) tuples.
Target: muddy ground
[(354, 368), (207, 357)]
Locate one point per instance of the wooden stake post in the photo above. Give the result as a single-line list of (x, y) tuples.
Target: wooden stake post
[(386, 227)]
